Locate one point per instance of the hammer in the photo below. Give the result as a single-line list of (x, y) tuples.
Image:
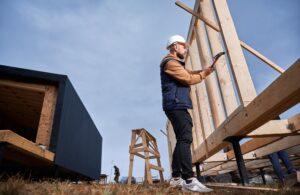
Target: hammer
[(216, 57)]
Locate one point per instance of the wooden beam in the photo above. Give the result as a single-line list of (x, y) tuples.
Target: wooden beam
[(241, 74), (201, 93), (214, 97), (225, 81), (215, 27), (284, 143), (217, 157), (253, 144), (294, 123), (22, 85), (199, 16), (209, 165), (273, 128), (194, 112), (194, 21), (243, 187), (156, 167), (171, 142), (131, 156), (46, 119), (281, 95), (23, 144), (262, 58)]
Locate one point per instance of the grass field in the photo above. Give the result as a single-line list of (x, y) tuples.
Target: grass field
[(19, 186)]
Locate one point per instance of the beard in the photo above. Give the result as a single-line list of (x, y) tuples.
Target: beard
[(180, 56)]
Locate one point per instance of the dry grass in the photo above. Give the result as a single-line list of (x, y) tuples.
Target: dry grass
[(18, 186)]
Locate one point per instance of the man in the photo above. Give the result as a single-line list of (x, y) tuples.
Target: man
[(117, 174), (175, 83)]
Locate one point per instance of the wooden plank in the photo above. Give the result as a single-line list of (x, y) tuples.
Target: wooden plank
[(171, 142), (274, 128), (281, 95), (242, 187), (236, 57), (148, 177), (139, 155), (194, 21), (293, 150), (294, 123), (156, 167), (253, 144), (214, 97), (47, 114), (138, 145), (24, 86), (284, 143), (215, 27), (201, 94), (262, 58), (131, 156), (222, 70), (137, 150), (217, 157), (200, 16), (194, 112), (25, 145), (159, 164)]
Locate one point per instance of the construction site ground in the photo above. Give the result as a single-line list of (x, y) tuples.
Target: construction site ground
[(18, 186)]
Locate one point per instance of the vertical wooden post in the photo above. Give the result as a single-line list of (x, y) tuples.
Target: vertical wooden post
[(236, 57), (148, 171), (201, 94), (46, 120), (193, 112), (131, 158), (161, 176), (226, 85), (171, 142), (211, 82)]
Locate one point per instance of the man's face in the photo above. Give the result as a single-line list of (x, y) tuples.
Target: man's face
[(181, 50)]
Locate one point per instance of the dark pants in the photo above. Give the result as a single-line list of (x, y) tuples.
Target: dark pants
[(182, 158), (283, 155), (116, 178)]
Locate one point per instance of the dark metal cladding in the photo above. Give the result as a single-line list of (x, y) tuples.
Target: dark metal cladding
[(75, 139)]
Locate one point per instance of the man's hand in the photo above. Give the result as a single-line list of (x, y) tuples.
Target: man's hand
[(207, 71)]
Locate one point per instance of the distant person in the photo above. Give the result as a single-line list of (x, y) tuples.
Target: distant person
[(117, 174), (175, 84)]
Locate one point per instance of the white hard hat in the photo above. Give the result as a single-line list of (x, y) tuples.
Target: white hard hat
[(174, 39)]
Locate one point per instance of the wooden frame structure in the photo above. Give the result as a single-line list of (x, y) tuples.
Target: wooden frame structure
[(28, 109), (226, 108), (144, 145)]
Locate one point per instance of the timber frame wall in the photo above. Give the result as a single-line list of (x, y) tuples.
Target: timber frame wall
[(225, 108)]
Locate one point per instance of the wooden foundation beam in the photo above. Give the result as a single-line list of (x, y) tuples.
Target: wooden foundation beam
[(275, 128), (25, 145)]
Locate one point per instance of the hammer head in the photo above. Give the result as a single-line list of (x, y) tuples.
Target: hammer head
[(219, 55)]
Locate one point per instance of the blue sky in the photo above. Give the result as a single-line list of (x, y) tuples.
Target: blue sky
[(111, 52)]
